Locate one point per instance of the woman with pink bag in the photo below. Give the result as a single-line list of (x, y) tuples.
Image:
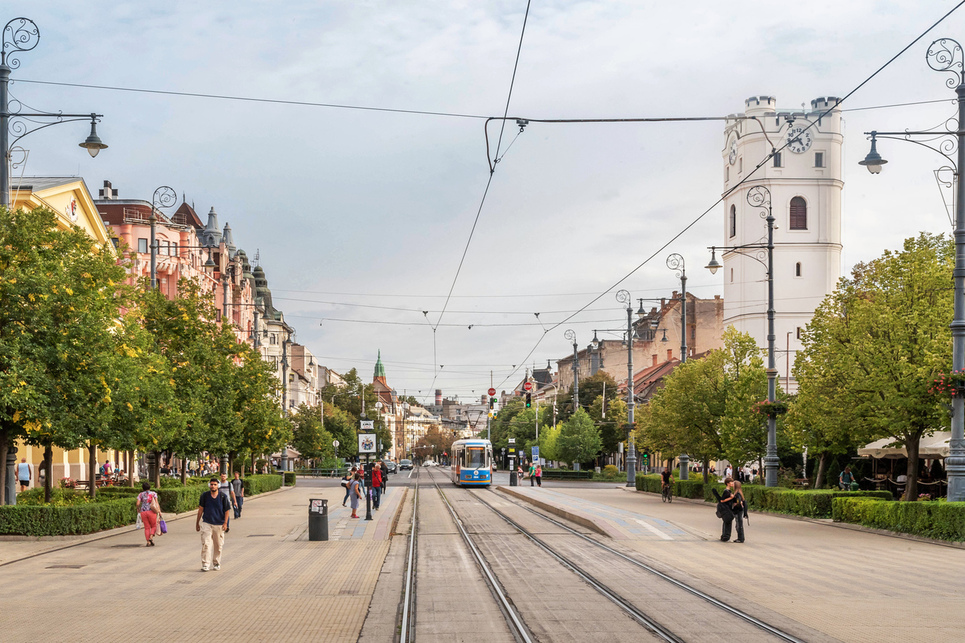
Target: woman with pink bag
[(150, 512)]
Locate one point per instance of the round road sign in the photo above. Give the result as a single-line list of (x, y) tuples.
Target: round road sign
[(527, 386), (492, 391), (334, 443)]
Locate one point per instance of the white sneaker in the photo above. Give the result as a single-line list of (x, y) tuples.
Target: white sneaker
[(204, 568), (217, 568)]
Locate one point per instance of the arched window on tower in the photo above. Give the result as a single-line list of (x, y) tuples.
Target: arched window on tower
[(733, 220), (799, 214), (797, 269)]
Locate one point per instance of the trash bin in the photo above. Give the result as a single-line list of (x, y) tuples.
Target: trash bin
[(513, 479), (318, 519)]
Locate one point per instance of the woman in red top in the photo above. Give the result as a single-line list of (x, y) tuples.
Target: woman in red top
[(376, 484)]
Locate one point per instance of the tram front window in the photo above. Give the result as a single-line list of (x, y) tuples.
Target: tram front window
[(475, 458)]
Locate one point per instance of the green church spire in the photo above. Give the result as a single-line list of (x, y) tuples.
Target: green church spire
[(379, 368)]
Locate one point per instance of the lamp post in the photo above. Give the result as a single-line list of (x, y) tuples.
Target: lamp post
[(676, 263), (623, 296), (760, 197), (945, 55), (19, 35), (164, 197), (571, 336)]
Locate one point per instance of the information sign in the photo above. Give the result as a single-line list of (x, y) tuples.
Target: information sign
[(367, 442)]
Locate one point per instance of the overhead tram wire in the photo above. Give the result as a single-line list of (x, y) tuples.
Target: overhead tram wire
[(489, 181), (739, 184)]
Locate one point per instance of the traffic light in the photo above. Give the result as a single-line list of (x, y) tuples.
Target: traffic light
[(492, 402), (529, 400)]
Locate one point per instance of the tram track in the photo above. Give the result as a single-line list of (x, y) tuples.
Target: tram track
[(648, 621), (409, 617), (756, 622)]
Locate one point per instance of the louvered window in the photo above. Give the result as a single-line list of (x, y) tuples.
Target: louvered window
[(799, 214)]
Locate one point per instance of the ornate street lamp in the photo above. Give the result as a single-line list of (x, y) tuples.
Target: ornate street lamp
[(760, 197), (19, 35), (623, 296), (945, 55), (571, 336), (164, 197), (676, 263)]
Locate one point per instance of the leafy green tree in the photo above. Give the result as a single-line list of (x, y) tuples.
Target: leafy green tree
[(880, 340), (579, 439), (309, 436), (611, 417), (549, 438), (59, 301), (685, 415), (743, 432)]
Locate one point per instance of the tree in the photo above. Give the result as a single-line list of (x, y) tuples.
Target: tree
[(743, 432), (549, 437), (611, 417), (579, 439), (309, 436), (880, 339), (59, 301)]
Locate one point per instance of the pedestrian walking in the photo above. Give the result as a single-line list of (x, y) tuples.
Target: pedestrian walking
[(25, 473), (385, 479), (740, 511), (347, 483), (725, 508), (149, 510), (539, 475), (355, 494), (212, 522), (225, 487), (532, 474), (376, 485), (238, 489)]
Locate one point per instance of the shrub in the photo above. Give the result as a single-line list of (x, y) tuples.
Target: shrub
[(289, 478), (260, 484), (48, 520), (938, 519), (611, 472)]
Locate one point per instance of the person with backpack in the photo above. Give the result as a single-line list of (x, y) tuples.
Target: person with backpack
[(150, 512), (725, 508), (740, 511), (213, 508), (347, 484), (846, 479)]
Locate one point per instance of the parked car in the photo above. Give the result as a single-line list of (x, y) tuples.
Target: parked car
[(405, 464), (390, 467)]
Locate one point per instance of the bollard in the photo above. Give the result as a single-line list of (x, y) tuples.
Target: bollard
[(318, 519)]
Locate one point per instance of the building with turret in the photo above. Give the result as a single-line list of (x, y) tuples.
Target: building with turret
[(804, 185)]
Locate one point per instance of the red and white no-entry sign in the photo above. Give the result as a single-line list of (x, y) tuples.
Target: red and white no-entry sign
[(527, 386), (492, 391)]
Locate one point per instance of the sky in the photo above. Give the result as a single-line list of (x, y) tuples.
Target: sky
[(362, 217)]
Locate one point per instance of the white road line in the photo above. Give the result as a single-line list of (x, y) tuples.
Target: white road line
[(411, 471), (654, 529)]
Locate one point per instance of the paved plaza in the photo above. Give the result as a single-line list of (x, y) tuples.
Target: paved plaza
[(276, 585)]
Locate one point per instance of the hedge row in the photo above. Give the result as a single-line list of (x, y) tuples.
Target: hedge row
[(289, 478), (108, 513), (33, 520), (815, 503), (941, 520)]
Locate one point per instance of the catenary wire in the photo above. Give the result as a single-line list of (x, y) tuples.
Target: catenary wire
[(740, 183)]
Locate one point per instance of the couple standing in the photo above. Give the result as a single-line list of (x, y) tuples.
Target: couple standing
[(731, 507)]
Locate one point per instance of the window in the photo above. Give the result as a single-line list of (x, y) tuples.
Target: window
[(819, 159), (726, 173), (142, 245), (274, 339), (777, 159), (732, 275), (740, 165), (799, 214), (798, 332), (733, 220)]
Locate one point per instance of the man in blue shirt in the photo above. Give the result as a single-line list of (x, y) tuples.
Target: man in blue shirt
[(212, 522)]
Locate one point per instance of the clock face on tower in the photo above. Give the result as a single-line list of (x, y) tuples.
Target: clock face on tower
[(732, 150), (799, 140)]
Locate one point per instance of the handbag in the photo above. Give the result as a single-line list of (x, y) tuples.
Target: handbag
[(138, 524), (163, 525)]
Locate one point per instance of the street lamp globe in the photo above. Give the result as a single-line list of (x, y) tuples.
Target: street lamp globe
[(873, 161), (714, 265), (93, 144)]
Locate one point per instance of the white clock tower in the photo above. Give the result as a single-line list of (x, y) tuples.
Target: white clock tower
[(804, 182)]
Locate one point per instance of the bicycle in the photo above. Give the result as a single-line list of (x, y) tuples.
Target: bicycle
[(667, 493)]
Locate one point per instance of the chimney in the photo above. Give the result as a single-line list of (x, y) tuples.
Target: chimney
[(438, 397), (107, 193)]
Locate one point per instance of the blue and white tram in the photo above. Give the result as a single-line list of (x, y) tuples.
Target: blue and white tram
[(472, 463)]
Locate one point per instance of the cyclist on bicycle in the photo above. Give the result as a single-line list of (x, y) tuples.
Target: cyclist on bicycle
[(667, 479)]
